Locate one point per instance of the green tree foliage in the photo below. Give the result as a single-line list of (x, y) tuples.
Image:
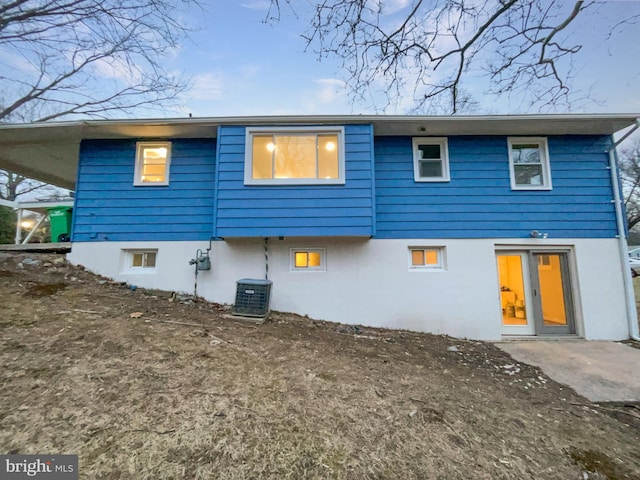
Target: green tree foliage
[(7, 224), (13, 186)]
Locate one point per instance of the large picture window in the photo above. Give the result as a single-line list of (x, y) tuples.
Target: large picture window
[(295, 156), (529, 163)]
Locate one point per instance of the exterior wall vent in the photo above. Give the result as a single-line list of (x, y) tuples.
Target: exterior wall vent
[(252, 297)]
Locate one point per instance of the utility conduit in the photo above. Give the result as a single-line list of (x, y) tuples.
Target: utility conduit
[(630, 302)]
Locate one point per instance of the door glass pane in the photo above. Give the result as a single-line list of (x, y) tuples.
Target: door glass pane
[(512, 289), (551, 290)]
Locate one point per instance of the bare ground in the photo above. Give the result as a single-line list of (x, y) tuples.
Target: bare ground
[(294, 398)]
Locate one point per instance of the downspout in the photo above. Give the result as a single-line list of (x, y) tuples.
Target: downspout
[(630, 302)]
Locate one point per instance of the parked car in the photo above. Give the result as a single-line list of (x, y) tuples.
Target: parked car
[(634, 263)]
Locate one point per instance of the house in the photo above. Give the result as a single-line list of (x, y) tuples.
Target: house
[(475, 226)]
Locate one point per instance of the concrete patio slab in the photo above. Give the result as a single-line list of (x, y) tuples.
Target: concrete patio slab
[(598, 370)]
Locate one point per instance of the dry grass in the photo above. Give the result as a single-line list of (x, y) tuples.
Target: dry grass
[(290, 399)]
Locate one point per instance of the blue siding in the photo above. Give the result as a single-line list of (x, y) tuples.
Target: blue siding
[(109, 207), (384, 202), (295, 210), (478, 201)]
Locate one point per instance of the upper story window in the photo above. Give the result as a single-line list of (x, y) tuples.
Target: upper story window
[(430, 159), (152, 163), (529, 163), (294, 156)]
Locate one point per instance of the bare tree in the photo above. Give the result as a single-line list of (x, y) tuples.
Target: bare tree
[(430, 47), (13, 185), (629, 162), (86, 57)]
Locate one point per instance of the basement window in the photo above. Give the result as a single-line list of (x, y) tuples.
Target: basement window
[(152, 163), (140, 260), (306, 260), (426, 258)]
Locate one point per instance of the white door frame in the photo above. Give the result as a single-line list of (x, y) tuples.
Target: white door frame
[(527, 251), (529, 328)]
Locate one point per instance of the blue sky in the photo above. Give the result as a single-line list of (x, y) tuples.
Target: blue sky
[(240, 65)]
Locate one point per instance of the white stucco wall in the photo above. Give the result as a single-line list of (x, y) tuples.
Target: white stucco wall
[(368, 282)]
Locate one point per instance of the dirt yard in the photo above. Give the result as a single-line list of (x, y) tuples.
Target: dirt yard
[(92, 368)]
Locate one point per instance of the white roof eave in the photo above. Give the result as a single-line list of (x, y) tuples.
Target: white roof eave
[(49, 151)]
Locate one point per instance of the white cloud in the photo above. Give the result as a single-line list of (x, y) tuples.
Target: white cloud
[(117, 69), (331, 91), (326, 95), (257, 5), (389, 7), (17, 62), (206, 86)]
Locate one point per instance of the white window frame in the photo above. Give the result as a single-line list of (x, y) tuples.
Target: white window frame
[(317, 130), (137, 179), (128, 260), (440, 252), (443, 143), (323, 259), (544, 162)]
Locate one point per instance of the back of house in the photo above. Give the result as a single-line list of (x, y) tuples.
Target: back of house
[(477, 227)]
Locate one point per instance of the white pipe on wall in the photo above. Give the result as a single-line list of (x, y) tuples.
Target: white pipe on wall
[(630, 301)]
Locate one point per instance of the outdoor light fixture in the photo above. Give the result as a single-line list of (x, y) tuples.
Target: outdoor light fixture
[(537, 234)]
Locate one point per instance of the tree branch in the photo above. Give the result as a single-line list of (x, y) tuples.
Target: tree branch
[(436, 46), (65, 51)]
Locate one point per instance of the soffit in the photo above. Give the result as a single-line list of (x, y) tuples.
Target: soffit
[(49, 151)]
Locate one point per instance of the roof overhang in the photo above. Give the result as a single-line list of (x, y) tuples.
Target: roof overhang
[(49, 151)]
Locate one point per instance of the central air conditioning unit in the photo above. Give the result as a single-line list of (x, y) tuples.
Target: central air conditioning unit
[(252, 298)]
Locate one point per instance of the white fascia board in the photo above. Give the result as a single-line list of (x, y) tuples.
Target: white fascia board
[(41, 206), (49, 151), (206, 127)]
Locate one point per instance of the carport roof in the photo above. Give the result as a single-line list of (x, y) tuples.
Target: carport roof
[(49, 151)]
